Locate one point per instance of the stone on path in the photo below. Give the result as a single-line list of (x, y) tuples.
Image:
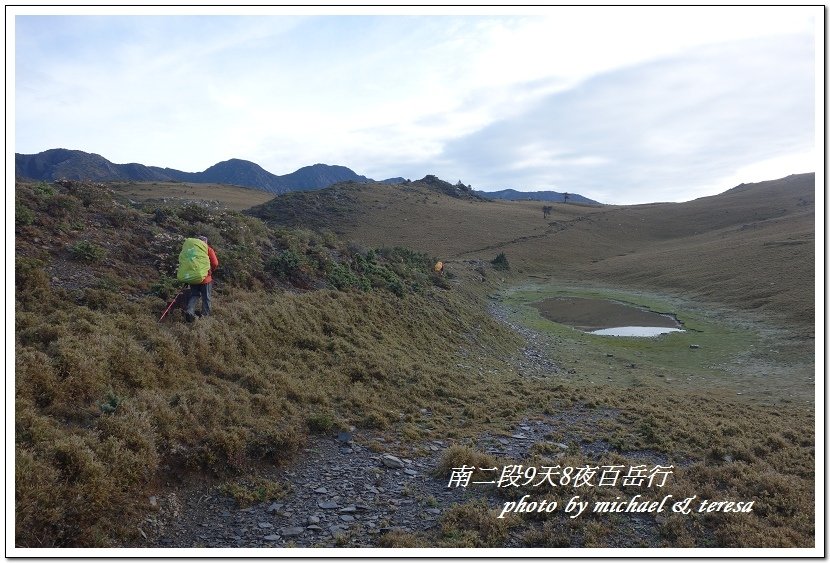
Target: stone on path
[(292, 531), (327, 504), (391, 461)]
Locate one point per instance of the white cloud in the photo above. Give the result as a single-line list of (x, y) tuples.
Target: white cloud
[(573, 96)]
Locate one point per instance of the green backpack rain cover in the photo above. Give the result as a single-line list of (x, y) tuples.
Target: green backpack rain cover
[(194, 263)]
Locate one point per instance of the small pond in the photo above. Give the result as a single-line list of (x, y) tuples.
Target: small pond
[(608, 318)]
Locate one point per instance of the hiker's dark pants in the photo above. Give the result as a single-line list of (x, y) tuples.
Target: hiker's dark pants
[(199, 290)]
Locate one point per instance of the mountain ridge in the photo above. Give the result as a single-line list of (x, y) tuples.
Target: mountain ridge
[(70, 164), (54, 164), (543, 195)]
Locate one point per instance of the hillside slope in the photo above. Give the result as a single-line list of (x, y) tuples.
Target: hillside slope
[(307, 334), (750, 247), (428, 215), (560, 197), (123, 421)]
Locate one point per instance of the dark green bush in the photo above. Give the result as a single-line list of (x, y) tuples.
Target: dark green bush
[(44, 190), (87, 251), (285, 263), (240, 265), (500, 262), (22, 214), (342, 277), (165, 287)]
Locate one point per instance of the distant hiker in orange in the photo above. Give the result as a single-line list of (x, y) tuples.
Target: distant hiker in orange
[(202, 289), (439, 268)]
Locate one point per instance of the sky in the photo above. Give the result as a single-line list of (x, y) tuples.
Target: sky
[(622, 105)]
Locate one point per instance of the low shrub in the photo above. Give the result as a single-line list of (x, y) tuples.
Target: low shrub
[(473, 524), (88, 251), (62, 206), (500, 262), (285, 264), (195, 213), (43, 190), (320, 422), (250, 491), (165, 287), (22, 214)]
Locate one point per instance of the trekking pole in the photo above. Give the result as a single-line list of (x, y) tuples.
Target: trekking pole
[(171, 304)]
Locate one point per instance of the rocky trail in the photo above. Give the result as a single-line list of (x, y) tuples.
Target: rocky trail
[(340, 494), (349, 489)]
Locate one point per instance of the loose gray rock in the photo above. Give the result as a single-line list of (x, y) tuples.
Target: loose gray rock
[(391, 461), (275, 506), (410, 472), (327, 505), (337, 529), (313, 520), (347, 518), (272, 537), (321, 490), (292, 531), (264, 525)]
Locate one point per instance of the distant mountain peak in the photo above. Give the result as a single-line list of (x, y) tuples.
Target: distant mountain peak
[(54, 164)]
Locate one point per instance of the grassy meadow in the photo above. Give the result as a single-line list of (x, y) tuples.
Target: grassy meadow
[(328, 315)]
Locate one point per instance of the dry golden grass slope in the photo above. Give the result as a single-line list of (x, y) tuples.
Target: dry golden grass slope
[(232, 197), (751, 247)]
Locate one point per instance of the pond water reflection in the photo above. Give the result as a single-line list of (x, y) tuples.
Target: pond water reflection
[(643, 331), (605, 317)]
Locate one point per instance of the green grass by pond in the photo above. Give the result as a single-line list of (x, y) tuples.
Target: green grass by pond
[(718, 350)]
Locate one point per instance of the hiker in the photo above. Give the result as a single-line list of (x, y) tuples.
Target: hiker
[(439, 268), (202, 289)]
